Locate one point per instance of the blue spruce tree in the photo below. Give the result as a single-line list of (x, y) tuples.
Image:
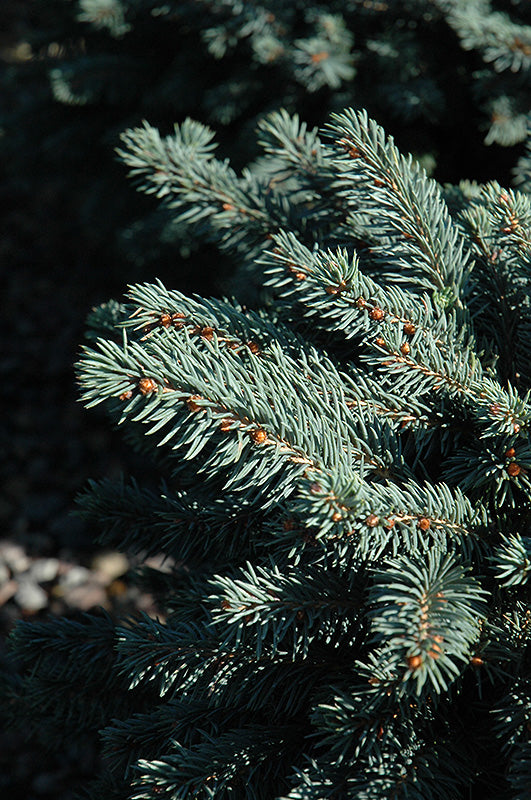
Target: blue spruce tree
[(346, 498)]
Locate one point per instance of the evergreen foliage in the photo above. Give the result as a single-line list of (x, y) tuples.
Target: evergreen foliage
[(379, 54), (447, 77), (346, 497)]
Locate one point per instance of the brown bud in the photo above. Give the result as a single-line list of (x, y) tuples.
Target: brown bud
[(258, 436), (126, 395), (424, 524), (409, 329), (377, 314), (510, 453), (380, 341), (372, 521), (514, 469), (177, 319), (207, 333), (226, 605), (165, 320), (337, 516), (361, 302), (225, 425), (476, 661), (253, 347), (414, 662), (390, 523), (405, 348), (301, 276), (147, 386)]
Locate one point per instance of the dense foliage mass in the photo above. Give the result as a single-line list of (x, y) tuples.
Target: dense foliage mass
[(448, 78), (346, 502)]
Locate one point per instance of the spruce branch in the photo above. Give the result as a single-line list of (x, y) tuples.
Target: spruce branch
[(298, 606), (417, 346), (237, 213), (405, 205), (437, 622), (502, 42), (513, 560)]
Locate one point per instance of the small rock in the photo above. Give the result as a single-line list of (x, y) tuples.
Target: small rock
[(30, 596), (43, 570), (160, 562), (7, 590), (75, 576), (110, 566), (14, 556), (86, 596)]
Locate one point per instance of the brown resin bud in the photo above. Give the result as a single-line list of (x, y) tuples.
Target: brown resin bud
[(258, 436), (377, 314), (514, 469), (147, 386), (424, 524), (178, 319), (372, 521)]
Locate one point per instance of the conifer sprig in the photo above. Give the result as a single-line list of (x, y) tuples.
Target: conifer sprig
[(347, 492), (403, 202)]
